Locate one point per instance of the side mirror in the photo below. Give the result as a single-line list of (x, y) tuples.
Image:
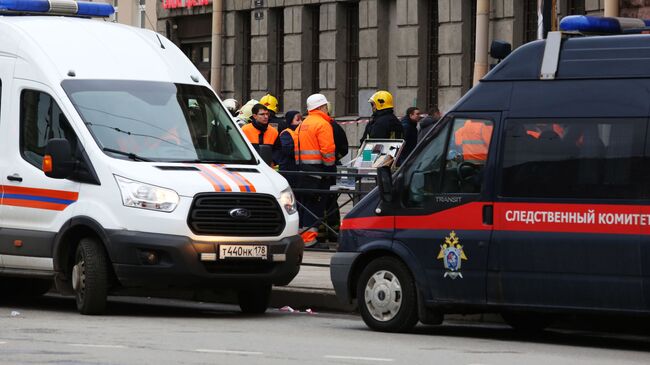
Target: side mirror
[(266, 152), (385, 183), (58, 162), (500, 49)]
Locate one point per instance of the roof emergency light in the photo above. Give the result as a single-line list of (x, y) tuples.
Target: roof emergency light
[(601, 25), (57, 7)]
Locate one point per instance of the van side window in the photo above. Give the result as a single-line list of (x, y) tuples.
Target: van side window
[(580, 158), (40, 120), (452, 162)]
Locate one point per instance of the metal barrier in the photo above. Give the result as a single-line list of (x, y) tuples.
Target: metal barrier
[(361, 189)]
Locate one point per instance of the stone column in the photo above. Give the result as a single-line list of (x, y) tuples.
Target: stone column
[(259, 52), (450, 51), (332, 55), (369, 72), (228, 57), (408, 55), (295, 47)]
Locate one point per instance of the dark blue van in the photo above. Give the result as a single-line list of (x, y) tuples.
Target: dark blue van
[(530, 198)]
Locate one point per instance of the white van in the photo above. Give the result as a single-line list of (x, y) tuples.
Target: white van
[(121, 169)]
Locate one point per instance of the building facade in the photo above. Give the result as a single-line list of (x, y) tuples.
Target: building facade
[(138, 13), (422, 51)]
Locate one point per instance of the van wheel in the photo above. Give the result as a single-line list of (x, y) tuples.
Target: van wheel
[(527, 322), (90, 277), (387, 296), (255, 301)]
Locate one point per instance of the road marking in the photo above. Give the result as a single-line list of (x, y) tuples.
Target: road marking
[(358, 358), (3, 343), (229, 352), (97, 346)]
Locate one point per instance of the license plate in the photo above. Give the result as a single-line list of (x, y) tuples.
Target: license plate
[(243, 252)]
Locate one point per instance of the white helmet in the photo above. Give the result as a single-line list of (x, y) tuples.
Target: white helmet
[(231, 105)]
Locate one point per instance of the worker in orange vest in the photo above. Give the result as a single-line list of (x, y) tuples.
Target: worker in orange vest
[(259, 132), (473, 140), (314, 152)]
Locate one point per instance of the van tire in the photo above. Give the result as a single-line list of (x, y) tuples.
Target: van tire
[(255, 301), (91, 273), (527, 322), (400, 307)]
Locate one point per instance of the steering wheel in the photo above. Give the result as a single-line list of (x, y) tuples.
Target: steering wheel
[(466, 171)]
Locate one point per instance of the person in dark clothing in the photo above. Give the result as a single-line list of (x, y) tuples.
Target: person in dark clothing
[(287, 161), (428, 122), (384, 123), (259, 132), (410, 127)]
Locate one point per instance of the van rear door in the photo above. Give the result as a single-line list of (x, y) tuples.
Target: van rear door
[(445, 218)]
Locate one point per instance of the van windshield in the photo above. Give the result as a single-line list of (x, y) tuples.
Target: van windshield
[(158, 121)]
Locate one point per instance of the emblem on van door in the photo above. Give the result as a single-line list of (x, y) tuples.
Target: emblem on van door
[(452, 255), (240, 214)]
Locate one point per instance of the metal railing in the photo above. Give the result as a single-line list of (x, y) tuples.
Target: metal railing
[(364, 183)]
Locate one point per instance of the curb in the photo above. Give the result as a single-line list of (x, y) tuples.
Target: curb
[(308, 298)]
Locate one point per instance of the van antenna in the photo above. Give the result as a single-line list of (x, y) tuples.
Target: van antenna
[(152, 27)]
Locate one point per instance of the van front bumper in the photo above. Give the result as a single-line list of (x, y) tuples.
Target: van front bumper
[(178, 262)]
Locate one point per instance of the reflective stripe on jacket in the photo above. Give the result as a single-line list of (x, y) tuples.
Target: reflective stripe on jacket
[(474, 139), (255, 136), (314, 143)]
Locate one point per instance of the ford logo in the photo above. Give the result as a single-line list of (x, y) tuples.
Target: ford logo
[(240, 214)]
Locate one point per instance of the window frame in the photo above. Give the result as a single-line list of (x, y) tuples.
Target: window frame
[(21, 124)]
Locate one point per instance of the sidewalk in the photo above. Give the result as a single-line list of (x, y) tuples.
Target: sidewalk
[(312, 288)]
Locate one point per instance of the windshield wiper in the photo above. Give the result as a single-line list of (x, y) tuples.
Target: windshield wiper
[(130, 155)]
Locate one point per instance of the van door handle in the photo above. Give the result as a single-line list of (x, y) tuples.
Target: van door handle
[(15, 177), (488, 213)]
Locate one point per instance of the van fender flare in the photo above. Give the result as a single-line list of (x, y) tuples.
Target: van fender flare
[(414, 265), (73, 227)]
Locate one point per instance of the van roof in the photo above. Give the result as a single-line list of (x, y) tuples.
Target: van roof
[(619, 56), (93, 49)]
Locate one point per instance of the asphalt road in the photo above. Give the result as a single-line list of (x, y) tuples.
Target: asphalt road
[(152, 331)]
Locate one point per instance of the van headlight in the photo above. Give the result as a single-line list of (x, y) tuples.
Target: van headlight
[(139, 195), (288, 201)]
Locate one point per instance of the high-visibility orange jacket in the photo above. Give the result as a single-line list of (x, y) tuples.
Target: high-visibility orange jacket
[(314, 143), (537, 132), (256, 137), (474, 140)]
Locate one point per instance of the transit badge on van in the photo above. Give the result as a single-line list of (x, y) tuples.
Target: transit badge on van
[(452, 254)]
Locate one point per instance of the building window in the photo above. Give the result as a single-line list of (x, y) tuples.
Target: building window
[(572, 7), (352, 59), (530, 20), (469, 47), (432, 56), (243, 56), (314, 14), (143, 13), (576, 7), (277, 89)]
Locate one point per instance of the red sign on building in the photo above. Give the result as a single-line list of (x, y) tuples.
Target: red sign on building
[(175, 4)]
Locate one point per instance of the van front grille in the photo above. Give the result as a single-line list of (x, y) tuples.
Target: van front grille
[(210, 214)]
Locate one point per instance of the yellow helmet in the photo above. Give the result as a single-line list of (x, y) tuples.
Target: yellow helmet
[(382, 100), (270, 102)]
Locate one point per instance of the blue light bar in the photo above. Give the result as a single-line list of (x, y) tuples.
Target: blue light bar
[(602, 25), (62, 7), (95, 9)]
